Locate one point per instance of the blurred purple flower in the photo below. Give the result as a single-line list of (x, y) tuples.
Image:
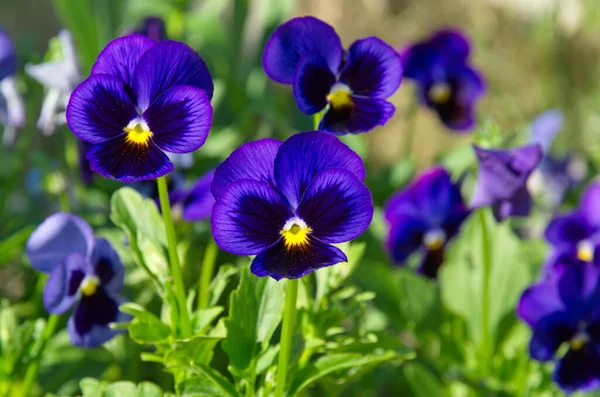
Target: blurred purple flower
[(142, 99), (502, 179), (85, 273), (446, 82), (563, 312), (12, 110), (424, 217), (153, 28), (352, 87)]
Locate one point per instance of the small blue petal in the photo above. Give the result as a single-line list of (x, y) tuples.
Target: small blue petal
[(312, 82), (364, 115), (61, 289), (107, 265)]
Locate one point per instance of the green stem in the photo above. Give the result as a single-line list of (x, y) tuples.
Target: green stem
[(285, 345), (486, 337), (173, 256), (206, 273), (38, 349)]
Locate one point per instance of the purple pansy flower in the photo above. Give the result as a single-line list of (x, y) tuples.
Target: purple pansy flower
[(12, 110), (153, 28), (424, 217), (502, 179), (575, 236), (85, 272), (142, 99), (446, 82), (287, 203), (564, 311), (352, 86)]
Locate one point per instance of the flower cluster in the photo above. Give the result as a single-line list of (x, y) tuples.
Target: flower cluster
[(85, 272), (446, 82), (287, 203), (351, 86)]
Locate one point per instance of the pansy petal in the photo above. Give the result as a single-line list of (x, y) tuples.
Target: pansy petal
[(296, 38), (54, 239), (301, 157), (107, 266), (364, 115), (121, 56), (431, 262), (99, 109), (405, 237), (577, 286), (248, 217), (549, 333), (539, 301), (198, 203), (61, 289), (312, 82), (280, 262), (180, 119), (154, 75), (452, 43), (88, 326), (566, 230), (153, 28), (128, 162), (518, 205), (336, 206), (373, 68), (8, 58), (253, 160), (589, 204), (579, 369), (545, 127)]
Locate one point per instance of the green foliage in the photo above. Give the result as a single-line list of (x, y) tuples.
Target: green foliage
[(95, 388)]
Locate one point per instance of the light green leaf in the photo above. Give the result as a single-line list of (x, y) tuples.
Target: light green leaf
[(420, 298), (198, 350), (147, 328), (219, 283), (207, 382), (94, 388), (91, 387), (121, 389), (201, 319), (422, 382)]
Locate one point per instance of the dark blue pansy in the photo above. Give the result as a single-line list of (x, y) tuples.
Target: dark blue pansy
[(153, 28), (12, 110), (446, 82), (85, 273), (142, 99), (287, 203), (563, 312), (424, 217), (352, 86), (502, 179)]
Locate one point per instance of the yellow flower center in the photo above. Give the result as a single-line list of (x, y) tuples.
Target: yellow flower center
[(585, 251), (578, 341), (138, 132), (89, 285), (440, 92), (435, 239), (339, 96), (295, 233)]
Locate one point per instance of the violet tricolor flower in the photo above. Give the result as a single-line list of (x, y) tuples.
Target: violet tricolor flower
[(502, 179), (59, 78), (153, 28), (424, 217), (446, 82), (12, 110), (563, 312), (85, 273), (576, 234), (142, 99), (352, 86), (287, 203)]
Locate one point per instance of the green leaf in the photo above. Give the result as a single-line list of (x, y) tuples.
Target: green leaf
[(91, 387), (207, 382), (121, 389), (94, 388), (255, 312), (148, 329), (219, 283), (147, 389), (201, 319), (329, 364), (14, 244), (422, 382), (198, 350), (420, 299)]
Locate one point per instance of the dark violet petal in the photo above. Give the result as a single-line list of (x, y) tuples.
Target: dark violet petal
[(57, 237), (86, 173), (502, 173), (373, 68), (419, 60), (295, 39), (589, 205), (302, 156), (153, 28), (99, 109), (8, 59), (128, 162), (198, 203), (567, 230), (549, 333), (579, 370), (405, 236), (248, 217), (578, 286), (518, 205), (120, 57), (312, 82), (89, 324), (431, 262), (180, 119), (364, 115), (107, 266), (545, 127), (280, 262), (61, 289), (169, 64), (562, 258), (337, 206), (252, 160), (539, 301)]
